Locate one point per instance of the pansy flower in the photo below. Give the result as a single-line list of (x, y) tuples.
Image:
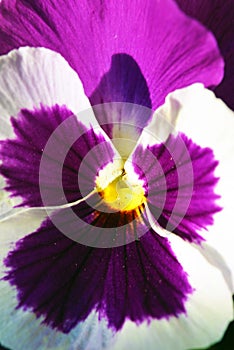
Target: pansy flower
[(116, 191)]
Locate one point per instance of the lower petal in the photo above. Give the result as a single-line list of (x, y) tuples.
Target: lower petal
[(49, 271)]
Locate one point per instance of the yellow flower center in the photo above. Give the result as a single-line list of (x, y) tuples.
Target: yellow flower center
[(121, 195)]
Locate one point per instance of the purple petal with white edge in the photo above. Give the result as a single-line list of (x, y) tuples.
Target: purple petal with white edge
[(21, 328), (217, 16), (198, 117), (186, 177), (171, 50), (28, 78), (209, 310), (141, 281), (55, 181)]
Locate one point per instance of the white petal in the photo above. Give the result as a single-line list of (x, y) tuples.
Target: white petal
[(5, 201), (33, 76), (209, 310), (210, 123), (161, 125)]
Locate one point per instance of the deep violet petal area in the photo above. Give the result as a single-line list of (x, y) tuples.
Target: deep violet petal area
[(21, 156), (181, 185), (123, 83), (64, 281)]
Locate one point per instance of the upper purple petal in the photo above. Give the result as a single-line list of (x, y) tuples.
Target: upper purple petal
[(217, 16), (171, 50)]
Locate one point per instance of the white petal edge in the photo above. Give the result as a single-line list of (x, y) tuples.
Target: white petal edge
[(209, 310), (20, 329), (30, 77)]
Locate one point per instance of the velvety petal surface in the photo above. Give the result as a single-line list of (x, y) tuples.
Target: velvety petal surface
[(171, 50), (217, 16)]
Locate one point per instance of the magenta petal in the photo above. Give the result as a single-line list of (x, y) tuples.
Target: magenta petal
[(217, 16), (171, 50), (64, 281)]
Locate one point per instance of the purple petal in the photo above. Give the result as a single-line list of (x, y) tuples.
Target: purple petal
[(217, 16), (171, 50), (28, 177), (64, 281), (181, 184)]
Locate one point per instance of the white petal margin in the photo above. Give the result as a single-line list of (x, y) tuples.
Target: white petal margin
[(20, 329), (209, 310), (30, 77), (210, 123)]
